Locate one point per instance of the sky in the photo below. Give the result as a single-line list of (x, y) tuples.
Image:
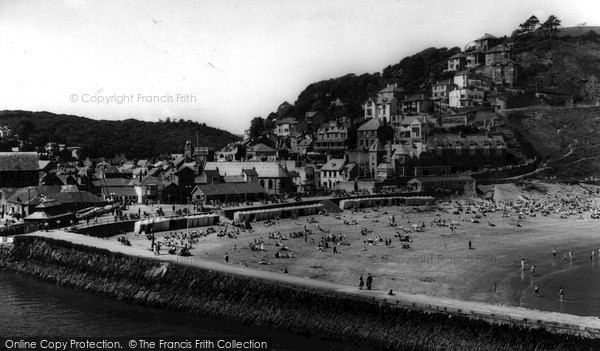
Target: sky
[(223, 62)]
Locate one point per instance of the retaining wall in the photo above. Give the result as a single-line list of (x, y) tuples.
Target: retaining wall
[(305, 311)]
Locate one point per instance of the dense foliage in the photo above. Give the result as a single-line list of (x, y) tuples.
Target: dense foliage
[(411, 73), (134, 138)]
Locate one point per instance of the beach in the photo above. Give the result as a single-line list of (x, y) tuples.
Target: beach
[(439, 262)]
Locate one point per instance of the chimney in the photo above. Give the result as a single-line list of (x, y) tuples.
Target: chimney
[(328, 157)]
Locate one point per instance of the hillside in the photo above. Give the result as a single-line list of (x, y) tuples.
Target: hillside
[(134, 138), (562, 66), (566, 139)]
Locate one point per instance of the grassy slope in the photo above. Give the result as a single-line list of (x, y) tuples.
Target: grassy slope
[(567, 139)]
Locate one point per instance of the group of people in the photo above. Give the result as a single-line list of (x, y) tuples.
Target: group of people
[(361, 282)]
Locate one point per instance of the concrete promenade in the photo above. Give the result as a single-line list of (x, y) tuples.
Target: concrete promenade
[(553, 321)]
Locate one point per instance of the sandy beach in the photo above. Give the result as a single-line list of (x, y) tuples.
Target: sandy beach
[(439, 262)]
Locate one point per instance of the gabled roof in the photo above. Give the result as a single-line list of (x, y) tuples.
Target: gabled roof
[(372, 124), (34, 195), (264, 169), (408, 120), (486, 37), (457, 55), (19, 161), (146, 180), (335, 164), (262, 148)]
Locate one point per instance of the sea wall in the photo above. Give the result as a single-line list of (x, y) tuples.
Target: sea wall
[(305, 311)]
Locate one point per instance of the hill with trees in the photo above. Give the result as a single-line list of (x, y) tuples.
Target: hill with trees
[(103, 138)]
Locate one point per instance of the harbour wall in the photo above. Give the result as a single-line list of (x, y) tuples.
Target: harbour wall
[(301, 310)]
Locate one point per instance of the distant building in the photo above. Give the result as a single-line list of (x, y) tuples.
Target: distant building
[(415, 128), (289, 125), (331, 138), (441, 90), (5, 132), (271, 175), (386, 104), (261, 152), (457, 62), (466, 98), (335, 171), (416, 104)]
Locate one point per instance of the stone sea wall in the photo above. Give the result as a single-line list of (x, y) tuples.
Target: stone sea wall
[(304, 311)]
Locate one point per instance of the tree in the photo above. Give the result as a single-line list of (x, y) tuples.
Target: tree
[(285, 110), (25, 128), (552, 24), (257, 126), (529, 26)]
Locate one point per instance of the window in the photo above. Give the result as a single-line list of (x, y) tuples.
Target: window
[(270, 184), (486, 151), (458, 152), (472, 152)]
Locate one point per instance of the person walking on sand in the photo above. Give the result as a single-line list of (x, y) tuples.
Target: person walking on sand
[(523, 263), (470, 245), (536, 291), (571, 255), (532, 271), (226, 258), (369, 281), (553, 252), (361, 283)]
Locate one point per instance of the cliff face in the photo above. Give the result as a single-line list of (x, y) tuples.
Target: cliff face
[(253, 301)]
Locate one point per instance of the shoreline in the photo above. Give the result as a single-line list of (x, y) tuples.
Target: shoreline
[(556, 322)]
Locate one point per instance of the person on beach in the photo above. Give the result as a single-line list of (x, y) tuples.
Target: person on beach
[(361, 283), (571, 255), (522, 263), (369, 281), (536, 291), (495, 286), (226, 257), (470, 245), (553, 252), (561, 293), (532, 271)]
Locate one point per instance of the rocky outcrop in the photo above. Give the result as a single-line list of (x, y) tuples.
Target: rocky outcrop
[(304, 311)]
